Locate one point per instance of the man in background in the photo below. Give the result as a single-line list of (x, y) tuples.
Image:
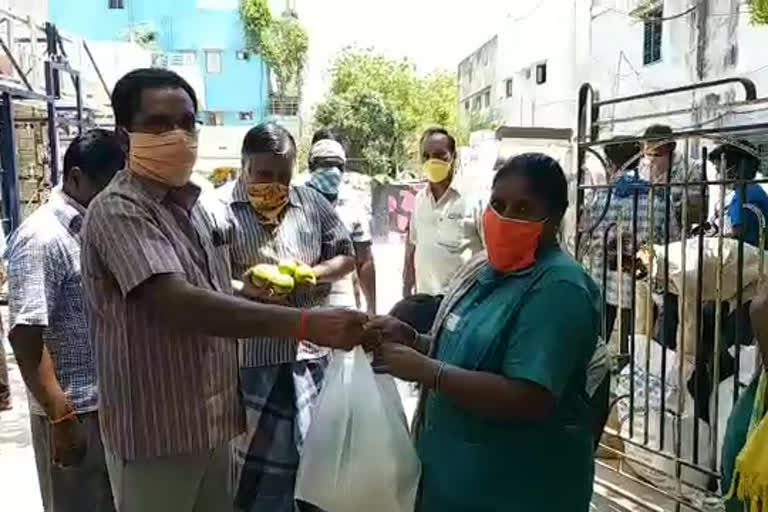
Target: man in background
[(628, 186), (271, 221), (445, 229), (662, 160), (327, 159), (49, 332)]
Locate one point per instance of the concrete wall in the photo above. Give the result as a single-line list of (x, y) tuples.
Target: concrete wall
[(193, 26), (598, 41), (539, 40), (477, 76)]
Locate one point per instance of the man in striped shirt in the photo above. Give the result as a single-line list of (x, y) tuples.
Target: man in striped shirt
[(49, 332), (272, 221), (162, 318)]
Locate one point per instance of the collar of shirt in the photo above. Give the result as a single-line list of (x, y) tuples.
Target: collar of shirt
[(68, 211), (239, 194), (450, 191), (185, 196)]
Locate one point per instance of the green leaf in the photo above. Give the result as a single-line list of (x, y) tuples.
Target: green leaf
[(382, 105)]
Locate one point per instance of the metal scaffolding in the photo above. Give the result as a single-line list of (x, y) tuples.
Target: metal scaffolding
[(32, 61)]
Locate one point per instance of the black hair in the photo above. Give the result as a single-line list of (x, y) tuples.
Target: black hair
[(418, 311), (545, 178), (500, 161), (660, 132), (126, 96), (97, 153), (269, 138), (429, 132), (620, 151), (326, 134), (744, 155)]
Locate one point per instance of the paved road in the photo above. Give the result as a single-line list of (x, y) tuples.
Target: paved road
[(19, 491)]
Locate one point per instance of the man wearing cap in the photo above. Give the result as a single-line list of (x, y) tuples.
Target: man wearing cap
[(327, 159)]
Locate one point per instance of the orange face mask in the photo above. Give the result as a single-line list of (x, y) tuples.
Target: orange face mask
[(168, 157), (511, 243)]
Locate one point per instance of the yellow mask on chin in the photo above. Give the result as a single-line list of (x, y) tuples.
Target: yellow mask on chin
[(269, 200), (436, 170)]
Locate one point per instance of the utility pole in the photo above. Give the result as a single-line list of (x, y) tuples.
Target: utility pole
[(702, 14)]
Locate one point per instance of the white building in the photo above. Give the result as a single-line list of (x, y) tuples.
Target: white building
[(543, 57)]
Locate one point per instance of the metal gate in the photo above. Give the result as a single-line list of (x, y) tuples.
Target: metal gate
[(678, 286)]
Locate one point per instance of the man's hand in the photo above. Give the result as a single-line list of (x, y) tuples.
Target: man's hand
[(335, 328), (69, 445), (387, 329), (263, 295), (404, 363)]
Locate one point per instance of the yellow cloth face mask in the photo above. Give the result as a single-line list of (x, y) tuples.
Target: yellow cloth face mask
[(269, 200), (436, 170)]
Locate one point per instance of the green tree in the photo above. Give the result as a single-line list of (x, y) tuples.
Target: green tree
[(759, 12), (282, 42), (381, 105), (284, 48), (371, 129)]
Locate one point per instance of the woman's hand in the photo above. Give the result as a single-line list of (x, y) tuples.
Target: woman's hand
[(387, 329), (404, 363)]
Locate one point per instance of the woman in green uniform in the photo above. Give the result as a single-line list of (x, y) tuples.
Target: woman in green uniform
[(503, 422)]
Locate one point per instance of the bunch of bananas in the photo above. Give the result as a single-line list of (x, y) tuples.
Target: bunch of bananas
[(282, 278)]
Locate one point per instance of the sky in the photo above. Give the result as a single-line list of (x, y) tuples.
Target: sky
[(435, 34)]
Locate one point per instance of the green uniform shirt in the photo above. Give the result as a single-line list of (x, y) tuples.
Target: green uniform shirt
[(539, 325)]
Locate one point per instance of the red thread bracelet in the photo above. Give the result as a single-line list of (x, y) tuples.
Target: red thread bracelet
[(303, 325)]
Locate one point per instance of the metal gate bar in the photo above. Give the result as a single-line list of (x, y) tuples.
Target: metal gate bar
[(706, 362)]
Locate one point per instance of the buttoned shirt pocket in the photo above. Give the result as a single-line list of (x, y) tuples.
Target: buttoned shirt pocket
[(455, 229)]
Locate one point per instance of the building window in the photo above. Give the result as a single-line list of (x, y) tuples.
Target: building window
[(213, 61), (541, 73), (509, 88), (652, 37), (246, 116), (116, 4), (466, 105), (487, 99), (477, 102)]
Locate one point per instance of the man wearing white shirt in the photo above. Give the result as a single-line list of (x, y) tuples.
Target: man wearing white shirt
[(446, 225)]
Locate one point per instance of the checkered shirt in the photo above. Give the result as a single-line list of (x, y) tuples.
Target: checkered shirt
[(45, 290), (622, 207)]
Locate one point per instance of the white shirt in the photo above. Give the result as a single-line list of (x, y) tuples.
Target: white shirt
[(446, 234), (358, 223)]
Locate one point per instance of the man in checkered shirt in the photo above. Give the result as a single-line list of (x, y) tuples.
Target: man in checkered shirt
[(623, 159), (49, 332)]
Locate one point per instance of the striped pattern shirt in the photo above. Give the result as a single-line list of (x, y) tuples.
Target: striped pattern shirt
[(45, 290), (309, 231), (163, 392)]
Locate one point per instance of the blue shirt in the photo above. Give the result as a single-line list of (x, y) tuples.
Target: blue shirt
[(754, 195), (45, 289)]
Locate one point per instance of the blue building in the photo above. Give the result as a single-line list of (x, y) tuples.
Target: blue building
[(206, 34)]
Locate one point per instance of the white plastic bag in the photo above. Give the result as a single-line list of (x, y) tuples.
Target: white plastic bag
[(358, 454)]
